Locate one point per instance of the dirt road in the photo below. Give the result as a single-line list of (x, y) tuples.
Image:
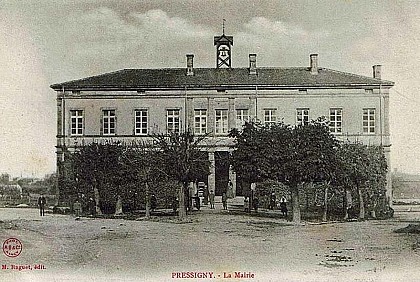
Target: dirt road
[(216, 245)]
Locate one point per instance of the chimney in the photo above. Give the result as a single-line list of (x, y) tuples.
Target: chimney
[(377, 71), (190, 68), (314, 63), (252, 63)]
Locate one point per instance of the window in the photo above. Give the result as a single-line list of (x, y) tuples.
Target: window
[(302, 116), (336, 120), (221, 121), (76, 119), (369, 121), (200, 121), (141, 122), (242, 116), (270, 116), (172, 119), (108, 122)]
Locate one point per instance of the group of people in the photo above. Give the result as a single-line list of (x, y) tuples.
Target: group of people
[(272, 205), (77, 206)]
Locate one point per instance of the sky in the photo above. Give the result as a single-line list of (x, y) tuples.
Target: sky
[(51, 41)]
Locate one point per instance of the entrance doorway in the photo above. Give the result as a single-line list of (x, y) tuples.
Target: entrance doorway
[(221, 160)]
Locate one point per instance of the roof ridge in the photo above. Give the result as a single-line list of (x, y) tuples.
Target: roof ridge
[(78, 79), (360, 76)]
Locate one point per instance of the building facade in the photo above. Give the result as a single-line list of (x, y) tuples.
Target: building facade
[(135, 103)]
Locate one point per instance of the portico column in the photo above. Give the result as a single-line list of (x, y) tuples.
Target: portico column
[(232, 177), (212, 176)]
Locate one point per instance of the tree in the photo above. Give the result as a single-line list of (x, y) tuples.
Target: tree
[(377, 179), (291, 155), (313, 160), (143, 159), (181, 159), (99, 173), (260, 151)]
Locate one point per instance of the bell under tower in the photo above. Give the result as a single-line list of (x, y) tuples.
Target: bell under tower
[(223, 45)]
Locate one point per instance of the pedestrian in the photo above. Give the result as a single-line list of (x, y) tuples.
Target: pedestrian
[(283, 207), (205, 195), (153, 202), (246, 204), (92, 206), (175, 204), (41, 203), (211, 198), (77, 207), (272, 201), (224, 200), (229, 192), (255, 203), (197, 201)]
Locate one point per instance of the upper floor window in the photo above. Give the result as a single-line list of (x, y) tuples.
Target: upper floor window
[(172, 120), (76, 119), (200, 121), (109, 121), (336, 121), (141, 122), (242, 116), (221, 121), (302, 116), (369, 121), (270, 116)]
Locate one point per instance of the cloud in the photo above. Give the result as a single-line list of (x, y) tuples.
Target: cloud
[(265, 27), (278, 43), (104, 36)]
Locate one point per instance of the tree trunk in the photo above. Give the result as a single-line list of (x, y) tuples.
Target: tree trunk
[(361, 204), (348, 203), (147, 200), (295, 204), (345, 205), (324, 215), (96, 193), (118, 206), (182, 214)]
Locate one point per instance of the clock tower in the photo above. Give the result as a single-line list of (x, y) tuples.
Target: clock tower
[(223, 45)]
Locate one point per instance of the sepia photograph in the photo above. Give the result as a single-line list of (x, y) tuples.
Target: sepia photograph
[(210, 140)]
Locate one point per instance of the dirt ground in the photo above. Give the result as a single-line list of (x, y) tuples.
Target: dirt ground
[(212, 242)]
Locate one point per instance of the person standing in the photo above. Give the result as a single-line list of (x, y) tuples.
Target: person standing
[(153, 202), (175, 202), (41, 203), (197, 201), (211, 198), (229, 192), (246, 204), (77, 207), (272, 201), (224, 200), (92, 207), (283, 207), (255, 203)]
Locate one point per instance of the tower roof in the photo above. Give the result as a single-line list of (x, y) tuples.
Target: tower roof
[(223, 39)]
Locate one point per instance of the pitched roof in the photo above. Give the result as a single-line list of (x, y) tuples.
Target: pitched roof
[(211, 78)]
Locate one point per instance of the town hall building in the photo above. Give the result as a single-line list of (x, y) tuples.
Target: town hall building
[(132, 104)]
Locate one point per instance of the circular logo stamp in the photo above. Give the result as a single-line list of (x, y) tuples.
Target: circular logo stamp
[(12, 247)]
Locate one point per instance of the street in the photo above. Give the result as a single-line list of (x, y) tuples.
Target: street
[(216, 246)]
